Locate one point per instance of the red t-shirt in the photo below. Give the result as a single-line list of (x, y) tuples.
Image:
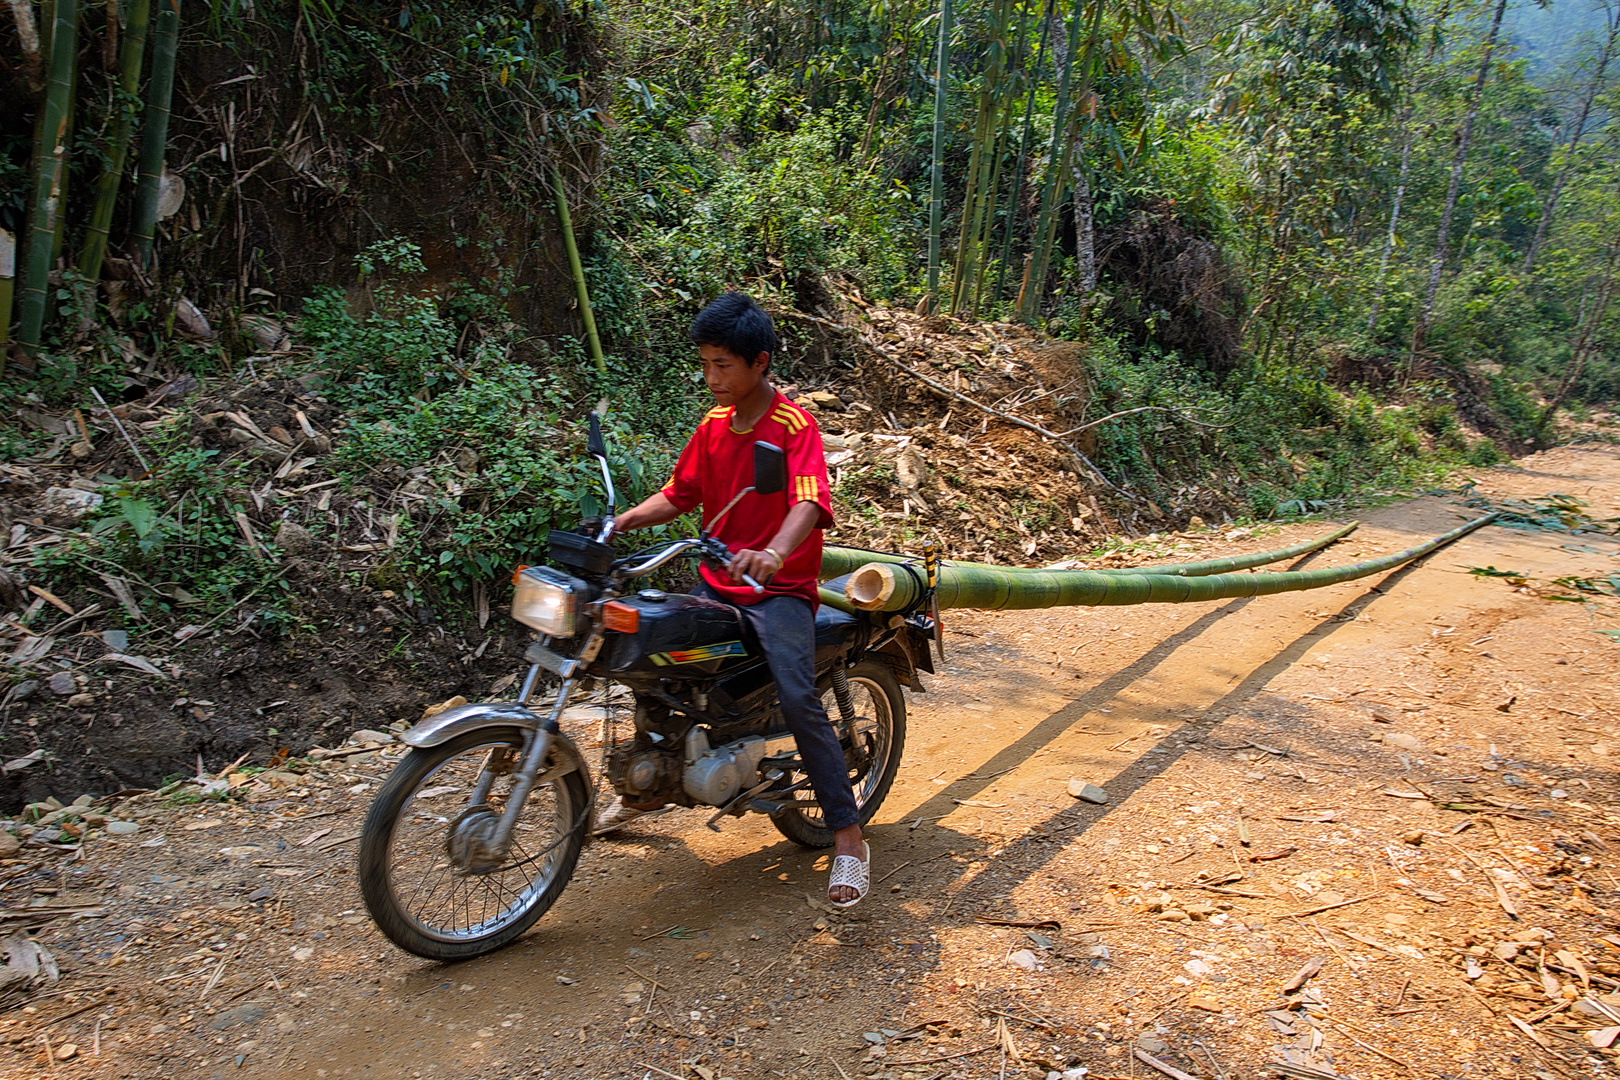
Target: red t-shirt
[(719, 462)]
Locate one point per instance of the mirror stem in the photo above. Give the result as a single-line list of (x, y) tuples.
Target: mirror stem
[(709, 528)]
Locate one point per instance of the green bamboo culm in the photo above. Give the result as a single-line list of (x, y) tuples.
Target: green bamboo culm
[(936, 183), (837, 561), (132, 51), (45, 210), (155, 129), (884, 587), (1052, 187), (578, 270)]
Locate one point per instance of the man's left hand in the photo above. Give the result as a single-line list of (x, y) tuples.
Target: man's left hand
[(759, 565)]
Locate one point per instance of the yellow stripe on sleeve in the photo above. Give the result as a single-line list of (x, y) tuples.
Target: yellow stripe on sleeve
[(790, 418)]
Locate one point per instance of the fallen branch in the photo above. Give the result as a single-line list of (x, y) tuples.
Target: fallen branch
[(946, 1057), (1142, 408), (1325, 907)]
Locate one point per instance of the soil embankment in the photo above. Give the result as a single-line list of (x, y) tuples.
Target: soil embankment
[(1406, 783)]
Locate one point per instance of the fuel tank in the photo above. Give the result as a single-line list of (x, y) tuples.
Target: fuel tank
[(678, 636)]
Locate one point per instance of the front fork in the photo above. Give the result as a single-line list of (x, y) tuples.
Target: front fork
[(490, 837)]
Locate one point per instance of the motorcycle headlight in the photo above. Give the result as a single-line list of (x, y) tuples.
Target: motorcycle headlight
[(546, 600)]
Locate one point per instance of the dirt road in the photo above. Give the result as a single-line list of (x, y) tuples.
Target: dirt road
[(1409, 779)]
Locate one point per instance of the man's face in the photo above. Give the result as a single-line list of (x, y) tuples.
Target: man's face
[(730, 378)]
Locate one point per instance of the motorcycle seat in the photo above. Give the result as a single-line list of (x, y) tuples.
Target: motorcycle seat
[(832, 625)]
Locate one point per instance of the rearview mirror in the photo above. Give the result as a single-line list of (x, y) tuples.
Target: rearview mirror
[(770, 469), (594, 444)]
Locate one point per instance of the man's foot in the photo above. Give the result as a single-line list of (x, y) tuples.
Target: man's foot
[(618, 814), (851, 878)]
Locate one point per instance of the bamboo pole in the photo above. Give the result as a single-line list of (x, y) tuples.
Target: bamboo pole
[(131, 53), (837, 561), (155, 129), (50, 150), (936, 184), (887, 587), (578, 270)]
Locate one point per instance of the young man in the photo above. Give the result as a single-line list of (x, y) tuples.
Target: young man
[(775, 539)]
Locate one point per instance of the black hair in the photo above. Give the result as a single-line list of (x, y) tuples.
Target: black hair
[(734, 322)]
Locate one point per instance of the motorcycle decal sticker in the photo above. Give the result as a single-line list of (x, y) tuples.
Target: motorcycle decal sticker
[(698, 656)]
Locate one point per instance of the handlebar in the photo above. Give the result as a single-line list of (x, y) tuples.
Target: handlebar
[(681, 546)]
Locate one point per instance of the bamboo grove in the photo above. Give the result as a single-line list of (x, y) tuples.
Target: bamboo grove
[(1415, 195), (1411, 187)]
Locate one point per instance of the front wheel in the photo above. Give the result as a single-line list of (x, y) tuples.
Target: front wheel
[(413, 888), (872, 741)]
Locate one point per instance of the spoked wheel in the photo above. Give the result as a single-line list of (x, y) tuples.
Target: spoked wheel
[(872, 745), (421, 889)]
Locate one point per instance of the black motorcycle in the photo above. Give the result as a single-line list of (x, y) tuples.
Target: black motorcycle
[(478, 829)]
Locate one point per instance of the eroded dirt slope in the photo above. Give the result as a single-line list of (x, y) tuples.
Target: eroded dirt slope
[(1409, 780)]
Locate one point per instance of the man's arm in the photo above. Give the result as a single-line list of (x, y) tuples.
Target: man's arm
[(655, 510), (760, 565)]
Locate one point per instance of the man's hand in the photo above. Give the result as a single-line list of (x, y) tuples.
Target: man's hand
[(655, 510), (759, 565)]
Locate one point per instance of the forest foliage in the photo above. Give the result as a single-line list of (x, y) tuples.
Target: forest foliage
[(1375, 238)]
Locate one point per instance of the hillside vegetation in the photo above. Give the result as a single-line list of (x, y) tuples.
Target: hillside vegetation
[(297, 351)]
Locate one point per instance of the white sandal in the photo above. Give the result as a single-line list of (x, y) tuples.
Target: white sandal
[(852, 873)]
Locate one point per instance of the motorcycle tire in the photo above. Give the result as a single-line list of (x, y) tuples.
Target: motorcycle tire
[(546, 873), (876, 682)]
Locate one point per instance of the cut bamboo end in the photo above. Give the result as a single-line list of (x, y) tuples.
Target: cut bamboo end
[(870, 587)]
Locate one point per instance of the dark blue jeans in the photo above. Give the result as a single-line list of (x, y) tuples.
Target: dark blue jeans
[(786, 628)]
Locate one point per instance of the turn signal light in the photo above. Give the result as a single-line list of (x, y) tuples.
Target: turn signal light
[(621, 617), (516, 572)]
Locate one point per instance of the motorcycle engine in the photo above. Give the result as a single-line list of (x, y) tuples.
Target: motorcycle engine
[(644, 771), (715, 776)]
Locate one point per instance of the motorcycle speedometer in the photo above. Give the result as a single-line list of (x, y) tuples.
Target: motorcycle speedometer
[(547, 600)]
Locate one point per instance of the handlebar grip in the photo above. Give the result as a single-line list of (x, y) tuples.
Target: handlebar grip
[(758, 588)]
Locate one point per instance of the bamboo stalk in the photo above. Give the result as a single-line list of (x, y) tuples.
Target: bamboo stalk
[(50, 151), (1023, 153), (8, 278), (837, 561), (936, 184), (155, 129), (887, 587), (131, 53), (1053, 184), (578, 270)]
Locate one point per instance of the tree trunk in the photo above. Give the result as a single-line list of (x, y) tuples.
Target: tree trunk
[(1085, 234), (129, 77), (1584, 344), (50, 154), (28, 38), (1601, 62), (1394, 222), (936, 184), (155, 129), (1464, 137)]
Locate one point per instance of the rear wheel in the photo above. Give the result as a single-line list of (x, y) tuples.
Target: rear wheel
[(872, 741), (410, 881)]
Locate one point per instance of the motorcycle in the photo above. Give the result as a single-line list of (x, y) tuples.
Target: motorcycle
[(478, 829)]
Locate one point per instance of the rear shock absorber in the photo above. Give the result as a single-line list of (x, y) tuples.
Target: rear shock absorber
[(846, 701)]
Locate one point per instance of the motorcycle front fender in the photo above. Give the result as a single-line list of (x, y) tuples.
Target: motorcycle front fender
[(444, 726)]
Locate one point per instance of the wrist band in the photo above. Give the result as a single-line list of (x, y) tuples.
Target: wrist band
[(773, 553)]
